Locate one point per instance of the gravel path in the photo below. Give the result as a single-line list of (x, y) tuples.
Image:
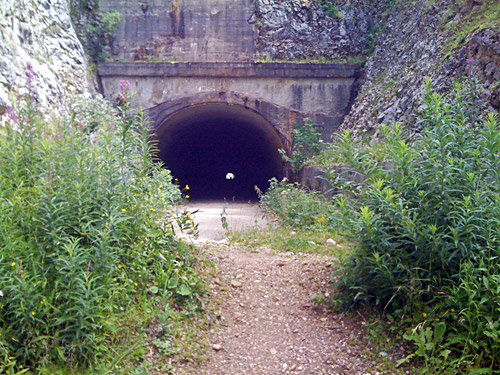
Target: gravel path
[(269, 325)]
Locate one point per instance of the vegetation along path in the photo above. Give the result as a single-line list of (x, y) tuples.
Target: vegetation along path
[(268, 322)]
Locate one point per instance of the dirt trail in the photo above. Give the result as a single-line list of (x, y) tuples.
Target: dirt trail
[(269, 325)]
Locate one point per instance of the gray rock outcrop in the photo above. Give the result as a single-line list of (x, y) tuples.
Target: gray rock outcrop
[(415, 43), (39, 33), (301, 29)]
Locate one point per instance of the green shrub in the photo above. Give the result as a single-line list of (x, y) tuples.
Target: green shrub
[(306, 143), (330, 8), (295, 206), (426, 223), (95, 29), (86, 229)]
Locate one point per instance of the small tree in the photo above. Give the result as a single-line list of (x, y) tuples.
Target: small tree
[(306, 143)]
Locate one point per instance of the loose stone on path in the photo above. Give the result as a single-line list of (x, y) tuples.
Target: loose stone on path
[(269, 325)]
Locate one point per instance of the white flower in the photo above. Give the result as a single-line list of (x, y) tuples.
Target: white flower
[(1, 293), (229, 176)]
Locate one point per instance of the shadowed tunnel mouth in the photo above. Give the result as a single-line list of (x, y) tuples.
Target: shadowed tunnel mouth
[(202, 144)]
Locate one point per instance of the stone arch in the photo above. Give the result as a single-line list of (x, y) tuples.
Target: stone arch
[(203, 137)]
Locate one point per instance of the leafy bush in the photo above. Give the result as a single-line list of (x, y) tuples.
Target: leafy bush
[(306, 144), (86, 229), (95, 29), (330, 8), (426, 223), (294, 206)]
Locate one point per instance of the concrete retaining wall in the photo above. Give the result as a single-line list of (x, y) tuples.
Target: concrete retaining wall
[(184, 30)]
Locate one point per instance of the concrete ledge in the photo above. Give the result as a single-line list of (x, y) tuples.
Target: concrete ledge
[(227, 70)]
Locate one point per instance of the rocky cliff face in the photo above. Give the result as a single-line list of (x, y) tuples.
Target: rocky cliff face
[(404, 41), (427, 39), (39, 33), (302, 29)]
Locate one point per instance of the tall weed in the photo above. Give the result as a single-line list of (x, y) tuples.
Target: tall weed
[(426, 223), (294, 206), (86, 228)]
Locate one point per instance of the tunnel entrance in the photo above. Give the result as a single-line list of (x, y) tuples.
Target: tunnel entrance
[(204, 144)]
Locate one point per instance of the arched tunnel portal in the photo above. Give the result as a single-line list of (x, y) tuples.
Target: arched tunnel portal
[(202, 143)]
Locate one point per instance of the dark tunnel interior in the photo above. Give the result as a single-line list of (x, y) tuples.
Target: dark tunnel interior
[(203, 143)]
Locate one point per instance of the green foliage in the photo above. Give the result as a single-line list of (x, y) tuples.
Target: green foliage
[(95, 29), (306, 143), (330, 8), (223, 217), (294, 206), (291, 239), (99, 35), (426, 223), (86, 229), (474, 17), (428, 342)]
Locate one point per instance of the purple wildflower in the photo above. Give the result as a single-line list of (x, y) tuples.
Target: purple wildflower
[(124, 85), (469, 63), (12, 115), (30, 74), (111, 126)]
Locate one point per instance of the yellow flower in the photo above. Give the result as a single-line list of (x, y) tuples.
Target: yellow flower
[(47, 247), (187, 187), (133, 263), (106, 223), (152, 209), (187, 196), (41, 302), (10, 279), (424, 315), (33, 313), (103, 215), (120, 266), (135, 284), (13, 264), (124, 210)]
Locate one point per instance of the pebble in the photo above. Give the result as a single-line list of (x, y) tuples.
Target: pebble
[(331, 241), (236, 284), (285, 345)]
